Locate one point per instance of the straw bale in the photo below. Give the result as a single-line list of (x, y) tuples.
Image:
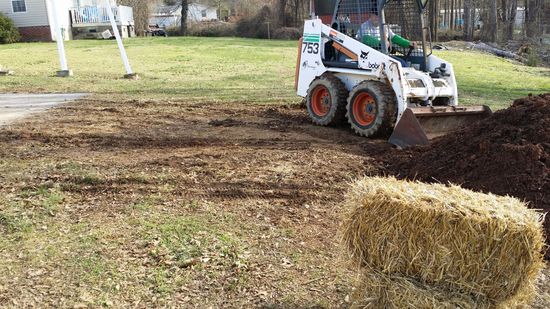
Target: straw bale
[(378, 290), (445, 236)]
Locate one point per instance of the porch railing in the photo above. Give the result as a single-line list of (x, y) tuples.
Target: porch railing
[(124, 15)]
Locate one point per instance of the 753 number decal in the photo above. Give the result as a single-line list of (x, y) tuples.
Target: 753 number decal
[(311, 48)]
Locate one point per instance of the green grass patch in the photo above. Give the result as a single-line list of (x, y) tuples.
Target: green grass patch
[(194, 69), (227, 70), (182, 239), (494, 81)]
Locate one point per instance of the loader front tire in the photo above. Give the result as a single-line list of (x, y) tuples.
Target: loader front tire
[(326, 100), (372, 109)]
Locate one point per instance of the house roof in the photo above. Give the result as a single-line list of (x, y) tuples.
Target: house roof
[(167, 9)]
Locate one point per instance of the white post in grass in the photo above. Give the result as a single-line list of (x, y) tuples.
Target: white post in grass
[(129, 73), (64, 72)]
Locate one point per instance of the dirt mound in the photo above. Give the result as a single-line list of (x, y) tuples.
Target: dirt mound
[(507, 154)]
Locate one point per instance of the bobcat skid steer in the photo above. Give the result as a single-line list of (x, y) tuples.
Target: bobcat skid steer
[(382, 86)]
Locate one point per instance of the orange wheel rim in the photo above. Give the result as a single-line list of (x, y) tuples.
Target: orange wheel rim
[(364, 109), (320, 101)]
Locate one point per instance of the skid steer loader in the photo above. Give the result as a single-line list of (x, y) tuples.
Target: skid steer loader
[(382, 86)]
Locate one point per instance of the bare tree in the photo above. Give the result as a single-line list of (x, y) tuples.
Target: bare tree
[(468, 29), (184, 10), (291, 13), (453, 17), (508, 17), (532, 17), (433, 12), (141, 10), (281, 18), (489, 32)]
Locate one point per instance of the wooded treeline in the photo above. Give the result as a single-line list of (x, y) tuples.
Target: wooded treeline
[(488, 20)]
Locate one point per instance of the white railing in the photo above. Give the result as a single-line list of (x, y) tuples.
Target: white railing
[(124, 15)]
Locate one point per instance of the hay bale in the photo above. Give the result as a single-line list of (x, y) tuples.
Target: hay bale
[(445, 236), (378, 290)]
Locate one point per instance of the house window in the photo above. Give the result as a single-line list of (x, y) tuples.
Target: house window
[(203, 13), (19, 6)]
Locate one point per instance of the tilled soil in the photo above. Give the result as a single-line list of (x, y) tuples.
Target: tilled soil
[(262, 177), (104, 189), (506, 154)]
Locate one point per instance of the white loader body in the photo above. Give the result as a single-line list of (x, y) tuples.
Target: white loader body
[(409, 84)]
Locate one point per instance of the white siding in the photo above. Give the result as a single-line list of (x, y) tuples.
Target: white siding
[(63, 17), (195, 13), (36, 15)]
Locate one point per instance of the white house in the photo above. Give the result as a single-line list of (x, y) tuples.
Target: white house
[(34, 18), (170, 15), (200, 12), (89, 18)]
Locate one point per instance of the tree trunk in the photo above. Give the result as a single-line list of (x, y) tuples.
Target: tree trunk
[(474, 16), (468, 23), (184, 10), (434, 18), (532, 22), (513, 7), (495, 51), (446, 14), (296, 10), (141, 14), (282, 13), (452, 23), (490, 22)]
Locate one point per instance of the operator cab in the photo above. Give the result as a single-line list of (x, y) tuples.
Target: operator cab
[(367, 21)]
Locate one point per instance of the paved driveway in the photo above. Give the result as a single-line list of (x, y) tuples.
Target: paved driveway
[(16, 106)]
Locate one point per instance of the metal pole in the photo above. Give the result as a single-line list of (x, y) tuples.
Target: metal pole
[(64, 72), (425, 31), (129, 73), (335, 13), (383, 34)]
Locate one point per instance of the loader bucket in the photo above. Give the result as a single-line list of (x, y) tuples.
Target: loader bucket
[(420, 124)]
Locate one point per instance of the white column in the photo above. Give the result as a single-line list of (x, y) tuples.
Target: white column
[(59, 38), (118, 38)]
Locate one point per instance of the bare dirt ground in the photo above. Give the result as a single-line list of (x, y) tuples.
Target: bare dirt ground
[(150, 204)]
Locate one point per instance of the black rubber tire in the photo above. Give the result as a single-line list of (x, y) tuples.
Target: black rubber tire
[(336, 112), (385, 109)]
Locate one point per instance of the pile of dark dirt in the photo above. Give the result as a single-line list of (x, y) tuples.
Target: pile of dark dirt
[(506, 154)]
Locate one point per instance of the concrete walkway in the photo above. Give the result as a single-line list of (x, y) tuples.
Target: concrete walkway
[(16, 106)]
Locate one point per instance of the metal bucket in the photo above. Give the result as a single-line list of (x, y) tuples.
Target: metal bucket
[(420, 124)]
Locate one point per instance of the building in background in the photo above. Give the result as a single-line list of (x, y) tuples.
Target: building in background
[(168, 16), (77, 18), (89, 19)]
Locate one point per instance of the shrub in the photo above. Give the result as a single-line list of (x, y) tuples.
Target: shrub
[(211, 29), (173, 31), (287, 33), (449, 35), (255, 26), (8, 31), (208, 29), (532, 58)]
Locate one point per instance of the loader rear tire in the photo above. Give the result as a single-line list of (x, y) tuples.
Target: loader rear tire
[(372, 109), (326, 100)]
